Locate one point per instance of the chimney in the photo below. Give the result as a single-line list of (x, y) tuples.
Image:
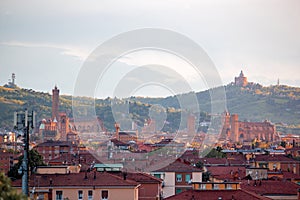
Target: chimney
[(85, 176), (294, 169), (124, 175)]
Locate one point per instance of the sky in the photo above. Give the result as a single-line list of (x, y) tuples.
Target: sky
[(46, 43)]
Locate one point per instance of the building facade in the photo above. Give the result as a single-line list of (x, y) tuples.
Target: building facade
[(238, 131), (241, 80)]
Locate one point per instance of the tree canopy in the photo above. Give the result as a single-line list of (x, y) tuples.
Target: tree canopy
[(7, 192)]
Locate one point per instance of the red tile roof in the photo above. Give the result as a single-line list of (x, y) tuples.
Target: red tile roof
[(79, 180), (215, 194), (140, 177), (290, 175), (55, 143), (271, 187), (85, 158), (178, 166), (279, 158), (227, 172), (235, 159)]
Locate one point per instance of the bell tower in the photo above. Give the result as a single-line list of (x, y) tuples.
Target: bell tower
[(55, 104)]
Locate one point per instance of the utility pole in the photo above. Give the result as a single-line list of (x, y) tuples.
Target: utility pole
[(23, 121)]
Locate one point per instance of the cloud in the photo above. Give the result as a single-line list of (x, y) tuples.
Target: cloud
[(171, 61), (69, 50)]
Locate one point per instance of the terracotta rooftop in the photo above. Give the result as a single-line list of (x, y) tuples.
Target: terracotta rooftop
[(55, 143), (80, 179), (178, 166), (281, 158), (190, 155), (216, 194), (118, 142), (214, 161), (271, 187), (227, 172), (234, 159), (290, 175), (85, 158), (140, 177)]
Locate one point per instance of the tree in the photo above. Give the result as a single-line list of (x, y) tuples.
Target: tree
[(7, 192), (283, 144), (35, 159), (216, 153), (199, 164), (206, 176)]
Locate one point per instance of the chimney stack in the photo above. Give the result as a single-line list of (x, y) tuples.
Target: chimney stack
[(124, 175), (85, 176)]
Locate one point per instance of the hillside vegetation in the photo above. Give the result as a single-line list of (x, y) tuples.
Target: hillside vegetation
[(279, 104)]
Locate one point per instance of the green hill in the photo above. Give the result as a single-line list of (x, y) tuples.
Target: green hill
[(279, 104)]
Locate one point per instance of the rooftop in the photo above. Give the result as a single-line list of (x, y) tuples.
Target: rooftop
[(216, 194), (178, 166), (227, 172), (271, 187), (140, 177), (97, 179), (281, 158)]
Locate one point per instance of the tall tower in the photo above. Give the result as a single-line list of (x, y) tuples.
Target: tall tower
[(117, 126), (234, 120), (191, 121), (55, 103)]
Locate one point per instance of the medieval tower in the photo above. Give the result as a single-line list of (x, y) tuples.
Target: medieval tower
[(191, 122), (55, 104)]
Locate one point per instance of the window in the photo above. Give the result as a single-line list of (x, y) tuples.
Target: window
[(216, 186), (104, 195), (228, 186), (59, 195), (157, 175), (90, 195), (187, 178), (80, 195), (41, 196), (179, 177), (178, 190), (203, 186)]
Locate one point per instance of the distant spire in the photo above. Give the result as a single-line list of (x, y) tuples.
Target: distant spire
[(241, 74), (278, 83)]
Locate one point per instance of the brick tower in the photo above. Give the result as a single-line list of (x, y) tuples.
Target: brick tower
[(191, 122), (55, 103), (234, 120)]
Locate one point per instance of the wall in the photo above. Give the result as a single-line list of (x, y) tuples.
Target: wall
[(113, 193), (148, 191), (169, 182)]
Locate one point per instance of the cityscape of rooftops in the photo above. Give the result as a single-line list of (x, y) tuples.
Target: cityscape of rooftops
[(141, 100)]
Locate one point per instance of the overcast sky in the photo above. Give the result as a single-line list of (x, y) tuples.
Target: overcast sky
[(46, 42)]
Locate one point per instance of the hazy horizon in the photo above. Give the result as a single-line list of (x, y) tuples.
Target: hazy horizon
[(47, 43)]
